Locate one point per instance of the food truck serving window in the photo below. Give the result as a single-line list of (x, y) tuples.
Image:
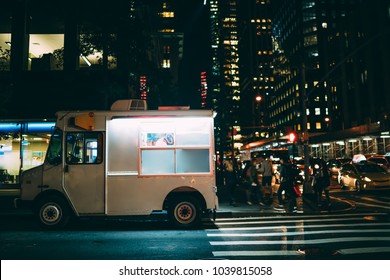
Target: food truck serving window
[(84, 148), (179, 146)]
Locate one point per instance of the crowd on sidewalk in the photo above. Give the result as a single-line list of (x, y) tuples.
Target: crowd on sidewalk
[(256, 179)]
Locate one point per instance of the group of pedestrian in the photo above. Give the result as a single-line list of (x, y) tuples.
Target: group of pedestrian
[(248, 178), (286, 193)]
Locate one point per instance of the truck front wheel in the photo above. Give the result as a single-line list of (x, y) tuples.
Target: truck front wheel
[(184, 212), (52, 212)]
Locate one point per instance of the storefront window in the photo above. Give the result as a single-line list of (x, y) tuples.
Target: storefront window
[(23, 145)]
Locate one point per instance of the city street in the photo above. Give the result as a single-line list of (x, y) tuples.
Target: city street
[(360, 230)]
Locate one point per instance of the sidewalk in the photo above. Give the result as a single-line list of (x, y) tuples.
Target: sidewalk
[(305, 204)]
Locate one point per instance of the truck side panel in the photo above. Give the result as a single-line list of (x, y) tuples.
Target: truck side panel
[(147, 158)]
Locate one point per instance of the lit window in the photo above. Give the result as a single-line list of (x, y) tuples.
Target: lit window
[(166, 63), (167, 14), (318, 125), (317, 111)]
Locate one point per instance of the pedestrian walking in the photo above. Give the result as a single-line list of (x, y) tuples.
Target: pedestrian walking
[(230, 180), (266, 172), (321, 183), (252, 186), (286, 185), (266, 181)]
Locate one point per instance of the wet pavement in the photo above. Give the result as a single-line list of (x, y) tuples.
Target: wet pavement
[(306, 204)]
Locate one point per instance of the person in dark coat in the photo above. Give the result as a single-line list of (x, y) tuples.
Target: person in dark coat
[(286, 185), (230, 181), (322, 182), (252, 185)]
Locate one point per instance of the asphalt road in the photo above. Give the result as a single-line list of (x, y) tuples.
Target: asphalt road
[(360, 231)]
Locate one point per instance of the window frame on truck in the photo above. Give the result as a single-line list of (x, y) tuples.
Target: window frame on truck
[(175, 148), (89, 147)]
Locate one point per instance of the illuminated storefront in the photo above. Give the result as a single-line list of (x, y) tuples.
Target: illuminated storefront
[(23, 145)]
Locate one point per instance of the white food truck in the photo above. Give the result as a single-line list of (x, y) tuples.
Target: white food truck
[(125, 162)]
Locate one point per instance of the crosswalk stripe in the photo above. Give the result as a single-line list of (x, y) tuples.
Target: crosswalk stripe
[(273, 217), (281, 253), (297, 220), (255, 253), (298, 226), (298, 233), (366, 250), (277, 236), (301, 242)]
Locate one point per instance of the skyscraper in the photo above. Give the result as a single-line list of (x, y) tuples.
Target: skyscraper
[(225, 70)]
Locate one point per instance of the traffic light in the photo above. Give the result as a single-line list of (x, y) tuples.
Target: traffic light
[(292, 137)]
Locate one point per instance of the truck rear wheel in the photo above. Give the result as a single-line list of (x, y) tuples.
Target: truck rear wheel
[(52, 212), (184, 212)]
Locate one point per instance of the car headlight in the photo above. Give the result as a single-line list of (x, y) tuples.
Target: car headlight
[(366, 179)]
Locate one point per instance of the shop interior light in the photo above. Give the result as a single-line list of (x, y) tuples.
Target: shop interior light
[(86, 60)]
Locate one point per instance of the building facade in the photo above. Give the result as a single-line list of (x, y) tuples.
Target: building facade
[(85, 55)]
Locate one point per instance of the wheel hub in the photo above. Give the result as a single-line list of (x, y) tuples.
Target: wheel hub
[(51, 213)]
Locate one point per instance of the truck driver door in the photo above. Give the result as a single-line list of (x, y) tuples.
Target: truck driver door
[(84, 171)]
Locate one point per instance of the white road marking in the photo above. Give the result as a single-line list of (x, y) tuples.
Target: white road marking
[(298, 226), (301, 242), (298, 233)]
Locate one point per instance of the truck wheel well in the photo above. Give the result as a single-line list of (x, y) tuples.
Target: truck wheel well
[(184, 191), (47, 193)]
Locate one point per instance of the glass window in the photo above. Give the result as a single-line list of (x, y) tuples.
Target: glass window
[(46, 52), (84, 148), (192, 160), (5, 51), (157, 162), (54, 152), (91, 48), (175, 147)]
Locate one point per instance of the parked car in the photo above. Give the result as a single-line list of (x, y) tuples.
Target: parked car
[(363, 175), (335, 164), (382, 160)]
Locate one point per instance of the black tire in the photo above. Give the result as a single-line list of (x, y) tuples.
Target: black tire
[(358, 186), (52, 212), (184, 212)]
